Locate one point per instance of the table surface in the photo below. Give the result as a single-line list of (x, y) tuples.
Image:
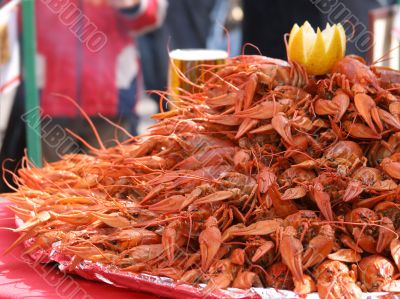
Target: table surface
[(20, 278)]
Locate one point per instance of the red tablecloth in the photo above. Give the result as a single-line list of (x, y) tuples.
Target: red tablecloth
[(20, 278)]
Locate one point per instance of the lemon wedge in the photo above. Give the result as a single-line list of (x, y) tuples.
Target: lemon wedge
[(317, 51)]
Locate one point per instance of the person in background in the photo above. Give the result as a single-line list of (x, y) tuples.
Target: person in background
[(356, 21), (266, 22), (187, 25), (154, 57), (226, 27), (87, 52), (14, 141)]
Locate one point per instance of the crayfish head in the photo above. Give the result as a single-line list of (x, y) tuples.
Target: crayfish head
[(246, 279), (374, 271), (389, 209), (356, 70), (348, 150), (329, 270), (278, 276), (211, 222)]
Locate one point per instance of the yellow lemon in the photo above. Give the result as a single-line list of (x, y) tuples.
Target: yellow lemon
[(317, 51)]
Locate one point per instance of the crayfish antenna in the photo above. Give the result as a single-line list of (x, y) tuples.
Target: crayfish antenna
[(25, 236), (86, 116)]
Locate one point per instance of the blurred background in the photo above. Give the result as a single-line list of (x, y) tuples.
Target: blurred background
[(105, 54)]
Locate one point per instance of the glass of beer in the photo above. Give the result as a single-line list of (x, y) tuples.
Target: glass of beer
[(190, 68)]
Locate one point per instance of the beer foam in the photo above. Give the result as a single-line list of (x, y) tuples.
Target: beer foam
[(198, 54)]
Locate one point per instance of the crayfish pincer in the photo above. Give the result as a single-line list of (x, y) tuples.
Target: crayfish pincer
[(210, 240), (377, 274)]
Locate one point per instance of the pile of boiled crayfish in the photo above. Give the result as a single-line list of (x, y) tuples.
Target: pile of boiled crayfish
[(267, 177)]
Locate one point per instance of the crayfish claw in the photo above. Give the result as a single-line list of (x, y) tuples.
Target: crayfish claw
[(291, 252), (210, 241)]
